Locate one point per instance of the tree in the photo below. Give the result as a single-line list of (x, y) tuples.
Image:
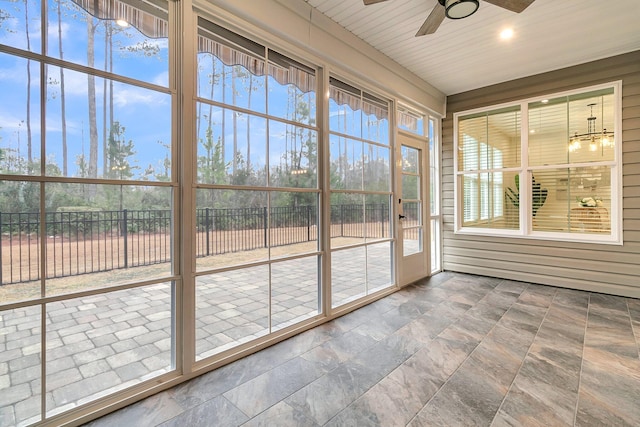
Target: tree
[(211, 167), (119, 151), (28, 38), (83, 167), (165, 175), (91, 91), (63, 118)]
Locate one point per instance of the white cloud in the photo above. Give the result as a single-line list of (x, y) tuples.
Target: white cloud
[(10, 122), (52, 32), (131, 95), (74, 83), (161, 79)]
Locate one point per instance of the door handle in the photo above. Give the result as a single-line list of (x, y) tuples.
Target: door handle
[(401, 216)]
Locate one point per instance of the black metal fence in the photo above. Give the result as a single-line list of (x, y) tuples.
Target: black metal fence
[(81, 242)]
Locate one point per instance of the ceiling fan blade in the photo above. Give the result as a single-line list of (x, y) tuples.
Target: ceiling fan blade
[(432, 22), (512, 5), (368, 2)]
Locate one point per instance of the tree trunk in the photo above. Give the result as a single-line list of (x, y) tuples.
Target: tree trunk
[(63, 103), (107, 38), (235, 119), (29, 149), (224, 115), (91, 90), (249, 123)]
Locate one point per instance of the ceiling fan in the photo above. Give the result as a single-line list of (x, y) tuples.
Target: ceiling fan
[(458, 9)]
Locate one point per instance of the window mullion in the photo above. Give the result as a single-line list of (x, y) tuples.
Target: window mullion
[(525, 182)]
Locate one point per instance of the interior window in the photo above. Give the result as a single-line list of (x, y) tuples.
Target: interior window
[(562, 183)]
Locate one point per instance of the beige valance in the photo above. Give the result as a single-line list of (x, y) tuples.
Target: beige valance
[(152, 21)]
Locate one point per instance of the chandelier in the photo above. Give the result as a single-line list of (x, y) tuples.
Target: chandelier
[(593, 138)]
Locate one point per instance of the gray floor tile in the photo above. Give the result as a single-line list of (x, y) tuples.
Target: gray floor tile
[(454, 350)]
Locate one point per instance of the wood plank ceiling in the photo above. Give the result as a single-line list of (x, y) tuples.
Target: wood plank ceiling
[(467, 54)]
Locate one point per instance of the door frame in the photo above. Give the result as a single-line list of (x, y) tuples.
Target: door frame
[(416, 266)]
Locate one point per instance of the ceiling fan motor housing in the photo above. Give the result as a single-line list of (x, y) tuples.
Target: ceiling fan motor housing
[(458, 9)]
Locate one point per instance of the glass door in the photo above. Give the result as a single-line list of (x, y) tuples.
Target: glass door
[(412, 216)]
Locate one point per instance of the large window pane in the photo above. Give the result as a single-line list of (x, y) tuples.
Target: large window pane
[(121, 132), (19, 240), (21, 365), (232, 227), (376, 168), (106, 235), (130, 40), (572, 129), (379, 262), (348, 275), (345, 112), (346, 163), (21, 24), (294, 291), (412, 230), (293, 156), (377, 216), (232, 307), (231, 68), (410, 121), (491, 200), (20, 138), (489, 140), (231, 147), (410, 187), (293, 223), (347, 219), (231, 84), (375, 120), (289, 101), (103, 343), (578, 200)]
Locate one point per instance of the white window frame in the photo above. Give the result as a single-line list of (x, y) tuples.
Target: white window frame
[(525, 230)]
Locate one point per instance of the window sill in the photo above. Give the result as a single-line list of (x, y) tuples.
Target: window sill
[(591, 238)]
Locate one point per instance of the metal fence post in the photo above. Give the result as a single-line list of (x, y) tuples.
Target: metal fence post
[(382, 218), (264, 221), (124, 233), (341, 220), (308, 223), (207, 226)]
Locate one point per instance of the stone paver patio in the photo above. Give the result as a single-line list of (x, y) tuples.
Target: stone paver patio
[(100, 344)]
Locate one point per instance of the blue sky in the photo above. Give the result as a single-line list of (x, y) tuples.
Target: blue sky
[(145, 113)]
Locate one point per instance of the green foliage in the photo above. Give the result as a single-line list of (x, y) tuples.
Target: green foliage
[(119, 150), (83, 166), (211, 166), (538, 195)]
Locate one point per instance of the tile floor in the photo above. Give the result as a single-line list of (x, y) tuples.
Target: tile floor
[(455, 350)]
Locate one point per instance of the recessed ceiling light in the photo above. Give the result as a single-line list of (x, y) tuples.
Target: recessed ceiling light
[(122, 23), (545, 101), (506, 34)]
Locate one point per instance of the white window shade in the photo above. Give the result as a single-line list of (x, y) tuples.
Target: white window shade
[(488, 145), (481, 136), (572, 129), (572, 200)]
